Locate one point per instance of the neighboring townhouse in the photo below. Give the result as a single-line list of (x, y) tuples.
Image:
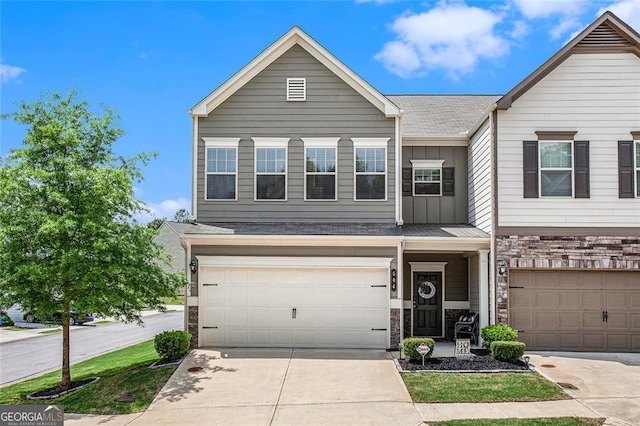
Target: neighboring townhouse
[(568, 196), (329, 215)]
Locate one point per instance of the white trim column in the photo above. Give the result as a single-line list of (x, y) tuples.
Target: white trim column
[(483, 290)]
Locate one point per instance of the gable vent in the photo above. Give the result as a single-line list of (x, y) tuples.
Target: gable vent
[(296, 89), (604, 36)]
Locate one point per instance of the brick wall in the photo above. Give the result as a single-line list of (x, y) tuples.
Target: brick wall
[(395, 327), (192, 325)]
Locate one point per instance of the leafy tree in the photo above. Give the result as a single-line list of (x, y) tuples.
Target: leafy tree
[(68, 238), (156, 223), (182, 216)]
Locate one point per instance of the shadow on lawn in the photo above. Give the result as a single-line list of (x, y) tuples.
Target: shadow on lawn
[(184, 382)]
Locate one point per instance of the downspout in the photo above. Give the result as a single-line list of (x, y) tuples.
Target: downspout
[(400, 284), (187, 289), (494, 213), (398, 194), (194, 169)]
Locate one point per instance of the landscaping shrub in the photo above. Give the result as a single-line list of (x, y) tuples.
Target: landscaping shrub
[(507, 351), (6, 320), (410, 347), (172, 345), (497, 333)]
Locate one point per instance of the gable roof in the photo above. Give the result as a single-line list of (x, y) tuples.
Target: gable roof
[(606, 34), (294, 36), (441, 115)]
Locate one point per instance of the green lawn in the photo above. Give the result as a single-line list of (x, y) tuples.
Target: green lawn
[(177, 300), (120, 372), (472, 387), (555, 421)]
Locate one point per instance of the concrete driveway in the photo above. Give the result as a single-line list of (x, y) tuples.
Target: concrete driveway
[(283, 387), (609, 384)]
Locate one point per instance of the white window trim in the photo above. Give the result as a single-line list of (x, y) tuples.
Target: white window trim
[(371, 143), (304, 89), (425, 164), (540, 168), (220, 143), (636, 144), (270, 143), (322, 143)]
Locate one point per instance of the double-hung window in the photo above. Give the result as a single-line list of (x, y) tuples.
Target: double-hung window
[(556, 168), (271, 168), (221, 165), (370, 158), (637, 156), (320, 175), (427, 177)]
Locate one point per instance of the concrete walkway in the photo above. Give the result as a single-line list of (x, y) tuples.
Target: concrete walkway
[(307, 387)]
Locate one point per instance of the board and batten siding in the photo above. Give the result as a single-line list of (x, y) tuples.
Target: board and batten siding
[(438, 209), (595, 94), (332, 109), (479, 177)]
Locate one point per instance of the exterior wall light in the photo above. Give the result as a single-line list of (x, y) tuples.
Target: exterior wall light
[(502, 268), (193, 267)]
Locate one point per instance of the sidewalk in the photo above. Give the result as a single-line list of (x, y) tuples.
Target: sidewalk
[(8, 336)]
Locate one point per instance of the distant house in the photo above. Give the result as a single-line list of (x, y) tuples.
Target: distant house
[(330, 215), (169, 238)]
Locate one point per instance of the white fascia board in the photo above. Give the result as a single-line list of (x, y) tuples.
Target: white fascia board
[(284, 43), (221, 142), (481, 120), (293, 262), (446, 244), (321, 142), (293, 240), (370, 142), (434, 140), (270, 142)]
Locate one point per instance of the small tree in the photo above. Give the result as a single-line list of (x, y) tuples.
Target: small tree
[(156, 223), (68, 238), (182, 216)]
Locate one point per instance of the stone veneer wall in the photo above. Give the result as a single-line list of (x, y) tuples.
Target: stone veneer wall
[(192, 325), (407, 323), (395, 327), (562, 253)]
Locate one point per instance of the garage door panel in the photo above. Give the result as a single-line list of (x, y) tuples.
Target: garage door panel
[(563, 310), (334, 307)]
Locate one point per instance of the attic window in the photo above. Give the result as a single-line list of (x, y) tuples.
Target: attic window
[(296, 89)]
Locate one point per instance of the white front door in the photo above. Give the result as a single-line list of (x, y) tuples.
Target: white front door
[(294, 307)]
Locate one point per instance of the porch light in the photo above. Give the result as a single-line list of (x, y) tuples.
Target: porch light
[(502, 268), (193, 267)]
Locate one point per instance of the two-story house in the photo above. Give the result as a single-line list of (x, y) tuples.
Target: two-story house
[(330, 215)]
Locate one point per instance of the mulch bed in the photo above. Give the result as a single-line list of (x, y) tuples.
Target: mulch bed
[(57, 391), (480, 361)]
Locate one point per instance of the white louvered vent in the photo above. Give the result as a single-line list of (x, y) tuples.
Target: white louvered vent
[(296, 89)]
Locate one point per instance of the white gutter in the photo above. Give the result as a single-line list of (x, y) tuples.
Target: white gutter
[(194, 169), (292, 240)]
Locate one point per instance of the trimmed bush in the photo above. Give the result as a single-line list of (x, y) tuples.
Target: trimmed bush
[(497, 333), (410, 347), (507, 351), (6, 319), (172, 345)]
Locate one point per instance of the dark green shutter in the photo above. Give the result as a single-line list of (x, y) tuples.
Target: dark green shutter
[(530, 169), (581, 169), (407, 181), (625, 169), (448, 181)]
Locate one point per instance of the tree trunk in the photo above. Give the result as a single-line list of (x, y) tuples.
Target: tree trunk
[(66, 368)]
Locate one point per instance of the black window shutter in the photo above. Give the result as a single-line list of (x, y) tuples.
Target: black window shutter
[(625, 169), (581, 169), (407, 181), (530, 169), (448, 181)]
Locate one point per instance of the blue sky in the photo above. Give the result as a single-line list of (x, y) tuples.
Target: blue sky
[(152, 61)]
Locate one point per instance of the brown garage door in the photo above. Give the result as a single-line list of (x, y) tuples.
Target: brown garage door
[(576, 310)]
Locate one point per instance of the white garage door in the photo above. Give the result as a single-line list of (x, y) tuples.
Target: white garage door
[(313, 305)]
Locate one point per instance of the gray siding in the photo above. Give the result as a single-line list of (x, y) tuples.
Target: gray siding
[(456, 275), (260, 109), (290, 252), (433, 209), (474, 284), (170, 241)]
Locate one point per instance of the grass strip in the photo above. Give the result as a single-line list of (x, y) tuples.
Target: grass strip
[(478, 387), (121, 372)]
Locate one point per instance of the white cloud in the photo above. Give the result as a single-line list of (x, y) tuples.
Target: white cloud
[(9, 72), (533, 9), (627, 10), (377, 1), (520, 30), (452, 37), (166, 208), (563, 27)]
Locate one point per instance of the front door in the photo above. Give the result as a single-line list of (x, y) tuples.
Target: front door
[(427, 303)]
